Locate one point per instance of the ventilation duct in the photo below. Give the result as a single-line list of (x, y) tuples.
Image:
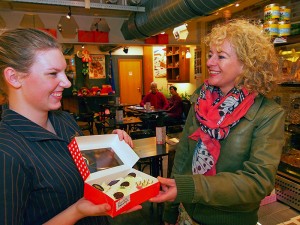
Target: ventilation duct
[(162, 14)]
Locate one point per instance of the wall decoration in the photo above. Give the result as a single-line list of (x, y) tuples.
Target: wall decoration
[(97, 67), (159, 54)]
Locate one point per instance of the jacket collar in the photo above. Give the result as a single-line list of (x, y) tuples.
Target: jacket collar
[(250, 115), (26, 127)]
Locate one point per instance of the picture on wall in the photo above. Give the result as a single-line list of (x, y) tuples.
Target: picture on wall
[(159, 54), (97, 67)]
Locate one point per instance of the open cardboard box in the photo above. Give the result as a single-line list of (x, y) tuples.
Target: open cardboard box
[(106, 168)]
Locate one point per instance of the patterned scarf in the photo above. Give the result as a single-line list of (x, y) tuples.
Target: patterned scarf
[(216, 114)]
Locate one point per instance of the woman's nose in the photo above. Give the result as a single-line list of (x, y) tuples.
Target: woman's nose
[(211, 61), (65, 82)]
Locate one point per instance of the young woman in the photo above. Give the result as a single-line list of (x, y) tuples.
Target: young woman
[(227, 157), (40, 182)]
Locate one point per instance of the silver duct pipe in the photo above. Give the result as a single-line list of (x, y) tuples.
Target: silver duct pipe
[(162, 14)]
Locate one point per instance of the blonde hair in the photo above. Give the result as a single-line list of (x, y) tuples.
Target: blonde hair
[(253, 48), (18, 48)]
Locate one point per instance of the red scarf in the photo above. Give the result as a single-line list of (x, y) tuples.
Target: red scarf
[(216, 115)]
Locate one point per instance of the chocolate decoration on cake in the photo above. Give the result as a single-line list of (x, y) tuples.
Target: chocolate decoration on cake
[(99, 187), (113, 182), (118, 195), (132, 174), (125, 184)]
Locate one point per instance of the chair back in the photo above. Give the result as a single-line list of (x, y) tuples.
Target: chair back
[(186, 105)]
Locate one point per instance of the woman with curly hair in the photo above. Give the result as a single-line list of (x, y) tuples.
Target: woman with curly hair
[(227, 158)]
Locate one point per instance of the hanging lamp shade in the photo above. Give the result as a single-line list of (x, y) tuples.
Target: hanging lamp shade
[(31, 21), (68, 28), (100, 24)]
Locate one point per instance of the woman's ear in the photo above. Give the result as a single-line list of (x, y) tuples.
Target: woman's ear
[(11, 77)]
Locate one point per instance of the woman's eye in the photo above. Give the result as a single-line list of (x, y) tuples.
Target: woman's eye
[(221, 57)]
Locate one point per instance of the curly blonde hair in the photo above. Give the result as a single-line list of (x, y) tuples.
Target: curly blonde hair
[(253, 48)]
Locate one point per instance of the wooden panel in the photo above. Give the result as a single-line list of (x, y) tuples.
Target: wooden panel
[(148, 68)]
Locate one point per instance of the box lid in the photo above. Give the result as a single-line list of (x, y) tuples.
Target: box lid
[(83, 143)]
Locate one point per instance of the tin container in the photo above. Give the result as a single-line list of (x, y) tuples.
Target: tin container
[(271, 28), (284, 13), (271, 12), (284, 28)]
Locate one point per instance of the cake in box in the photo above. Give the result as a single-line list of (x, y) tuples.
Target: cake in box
[(105, 163)]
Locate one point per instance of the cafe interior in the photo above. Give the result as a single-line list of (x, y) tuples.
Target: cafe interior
[(115, 49)]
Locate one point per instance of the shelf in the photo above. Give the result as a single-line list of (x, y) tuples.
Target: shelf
[(177, 65), (290, 84), (293, 39)]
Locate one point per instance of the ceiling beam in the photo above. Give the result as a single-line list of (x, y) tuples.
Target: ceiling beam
[(82, 4)]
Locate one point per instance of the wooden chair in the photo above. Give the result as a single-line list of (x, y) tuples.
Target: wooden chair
[(177, 126), (85, 118)]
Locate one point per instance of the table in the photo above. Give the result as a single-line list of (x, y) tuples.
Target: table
[(147, 114), (145, 111), (113, 124), (130, 122), (146, 148)]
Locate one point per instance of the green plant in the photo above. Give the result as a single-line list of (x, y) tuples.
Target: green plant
[(185, 96)]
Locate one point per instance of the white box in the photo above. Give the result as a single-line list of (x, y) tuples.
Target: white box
[(126, 158)]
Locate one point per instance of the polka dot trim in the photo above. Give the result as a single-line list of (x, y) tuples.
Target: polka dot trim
[(78, 159)]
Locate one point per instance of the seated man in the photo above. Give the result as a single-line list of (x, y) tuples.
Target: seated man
[(156, 98), (174, 113)]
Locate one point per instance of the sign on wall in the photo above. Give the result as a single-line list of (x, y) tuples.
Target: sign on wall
[(97, 67)]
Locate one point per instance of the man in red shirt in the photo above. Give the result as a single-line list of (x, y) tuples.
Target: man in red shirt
[(156, 98), (175, 104)]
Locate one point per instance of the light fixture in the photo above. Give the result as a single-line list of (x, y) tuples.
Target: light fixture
[(188, 55), (237, 5), (125, 50), (82, 46), (59, 27), (69, 13), (180, 33)]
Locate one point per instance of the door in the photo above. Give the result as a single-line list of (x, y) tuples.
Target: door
[(130, 79)]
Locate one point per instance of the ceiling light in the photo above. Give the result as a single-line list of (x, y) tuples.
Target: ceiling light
[(237, 5), (82, 46), (125, 50), (59, 27), (181, 32), (69, 13), (188, 55)]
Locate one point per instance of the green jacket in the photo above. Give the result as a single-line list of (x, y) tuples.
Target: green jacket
[(246, 168)]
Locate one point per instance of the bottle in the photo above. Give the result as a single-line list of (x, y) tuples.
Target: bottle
[(160, 131)]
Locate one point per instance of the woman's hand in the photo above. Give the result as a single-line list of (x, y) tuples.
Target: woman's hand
[(123, 136), (168, 192), (87, 208)]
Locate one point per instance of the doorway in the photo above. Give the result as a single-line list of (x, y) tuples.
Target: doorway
[(130, 78)]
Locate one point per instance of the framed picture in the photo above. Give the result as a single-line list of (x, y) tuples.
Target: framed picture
[(159, 54), (97, 67)]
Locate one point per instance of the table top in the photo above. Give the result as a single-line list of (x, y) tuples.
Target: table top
[(142, 110), (147, 148), (129, 120)]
